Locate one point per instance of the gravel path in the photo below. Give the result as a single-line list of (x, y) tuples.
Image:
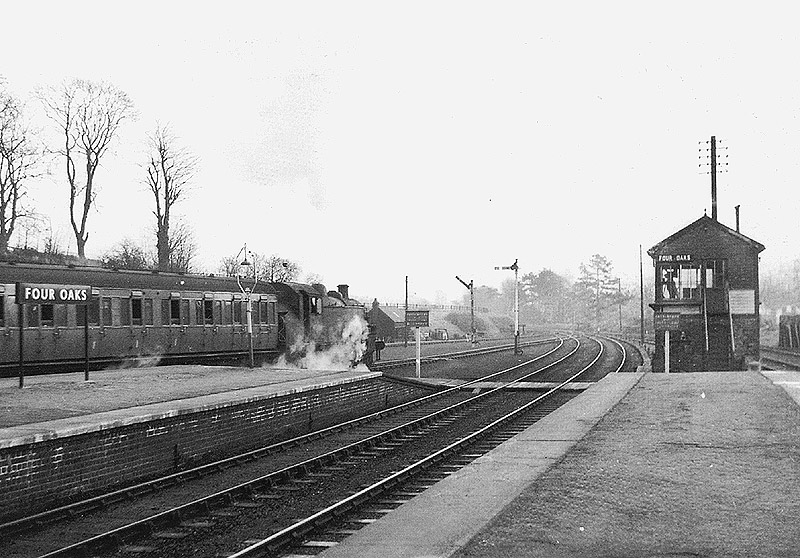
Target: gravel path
[(685, 465)]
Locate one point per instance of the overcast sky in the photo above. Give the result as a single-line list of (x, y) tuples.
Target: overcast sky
[(370, 141)]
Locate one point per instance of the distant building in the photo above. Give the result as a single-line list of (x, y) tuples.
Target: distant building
[(389, 322)]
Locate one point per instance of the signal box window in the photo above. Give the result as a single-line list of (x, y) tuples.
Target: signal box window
[(679, 282), (48, 318), (715, 274)]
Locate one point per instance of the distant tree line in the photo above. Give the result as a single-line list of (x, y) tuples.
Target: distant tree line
[(595, 300)]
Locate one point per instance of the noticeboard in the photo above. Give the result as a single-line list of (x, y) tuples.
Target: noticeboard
[(417, 318), (666, 321), (742, 301)]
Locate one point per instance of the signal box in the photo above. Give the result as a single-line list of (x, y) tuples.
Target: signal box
[(706, 299)]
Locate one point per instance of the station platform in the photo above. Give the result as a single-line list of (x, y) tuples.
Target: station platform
[(60, 405), (690, 464)]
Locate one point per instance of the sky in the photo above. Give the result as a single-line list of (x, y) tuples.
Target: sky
[(373, 141)]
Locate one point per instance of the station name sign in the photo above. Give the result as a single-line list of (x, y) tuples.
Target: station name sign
[(28, 293), (674, 258)]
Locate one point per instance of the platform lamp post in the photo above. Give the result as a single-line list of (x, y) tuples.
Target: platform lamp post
[(247, 292), (471, 288), (515, 267)]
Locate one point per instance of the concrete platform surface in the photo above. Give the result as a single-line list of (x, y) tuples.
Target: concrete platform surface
[(444, 517), (702, 464), (65, 404)]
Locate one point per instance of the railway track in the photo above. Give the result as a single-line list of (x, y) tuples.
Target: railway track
[(773, 358), (168, 532)]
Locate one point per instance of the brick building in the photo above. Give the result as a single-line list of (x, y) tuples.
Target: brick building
[(706, 299)]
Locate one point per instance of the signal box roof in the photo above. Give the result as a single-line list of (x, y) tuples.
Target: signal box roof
[(696, 236)]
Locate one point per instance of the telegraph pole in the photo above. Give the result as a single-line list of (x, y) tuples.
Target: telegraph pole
[(470, 286), (405, 317), (619, 301), (714, 165)]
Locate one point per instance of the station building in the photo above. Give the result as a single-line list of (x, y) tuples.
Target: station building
[(706, 298)]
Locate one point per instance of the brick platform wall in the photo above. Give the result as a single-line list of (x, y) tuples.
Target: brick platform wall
[(37, 476)]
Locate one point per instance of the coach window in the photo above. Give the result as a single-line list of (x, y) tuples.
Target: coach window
[(217, 311), (32, 311), (60, 315), (136, 311), (184, 312), (164, 311), (175, 311), (148, 311), (93, 309), (2, 310), (48, 319), (271, 313), (237, 311), (226, 312), (106, 311), (208, 312), (125, 311)]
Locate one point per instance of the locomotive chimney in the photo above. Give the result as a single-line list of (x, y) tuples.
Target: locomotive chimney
[(737, 218), (343, 290)]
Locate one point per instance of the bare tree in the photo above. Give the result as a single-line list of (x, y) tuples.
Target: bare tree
[(277, 269), (181, 247), (127, 254), (89, 115), (271, 269), (229, 266), (19, 159), (170, 169)]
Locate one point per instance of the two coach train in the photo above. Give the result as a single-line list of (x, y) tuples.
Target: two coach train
[(149, 316)]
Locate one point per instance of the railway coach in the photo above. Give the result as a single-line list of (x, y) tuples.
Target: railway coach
[(147, 317)]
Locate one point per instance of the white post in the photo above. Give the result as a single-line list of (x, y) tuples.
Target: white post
[(666, 351), (419, 343), (516, 308), (250, 326)]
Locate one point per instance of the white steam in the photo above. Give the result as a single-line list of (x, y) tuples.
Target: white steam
[(340, 348)]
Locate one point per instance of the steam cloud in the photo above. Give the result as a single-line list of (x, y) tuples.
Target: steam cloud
[(341, 348)]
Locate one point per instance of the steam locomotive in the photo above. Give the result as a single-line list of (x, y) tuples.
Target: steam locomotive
[(151, 316)]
